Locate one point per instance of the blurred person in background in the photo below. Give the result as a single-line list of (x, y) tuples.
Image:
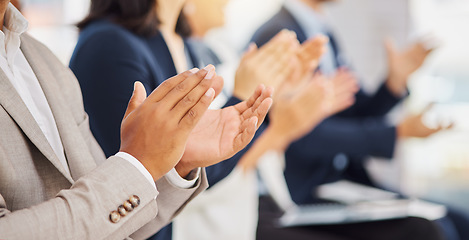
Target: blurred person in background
[(204, 15), (338, 147)]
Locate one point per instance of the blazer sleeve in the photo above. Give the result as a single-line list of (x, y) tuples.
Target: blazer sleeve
[(107, 64), (354, 137), (82, 212), (375, 105)]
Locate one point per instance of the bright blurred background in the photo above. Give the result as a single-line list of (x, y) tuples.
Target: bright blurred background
[(435, 168)]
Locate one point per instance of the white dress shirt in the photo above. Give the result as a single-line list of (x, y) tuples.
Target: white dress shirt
[(19, 72)]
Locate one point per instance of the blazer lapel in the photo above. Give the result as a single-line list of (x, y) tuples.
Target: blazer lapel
[(14, 105), (76, 149)]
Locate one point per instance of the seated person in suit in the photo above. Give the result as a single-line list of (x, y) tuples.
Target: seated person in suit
[(283, 128), (337, 148), (55, 181), (121, 42)]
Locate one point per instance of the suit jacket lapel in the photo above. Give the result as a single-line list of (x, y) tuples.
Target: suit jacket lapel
[(76, 149), (160, 49), (14, 105)]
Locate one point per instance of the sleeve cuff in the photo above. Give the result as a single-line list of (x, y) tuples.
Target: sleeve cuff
[(132, 160), (174, 178)]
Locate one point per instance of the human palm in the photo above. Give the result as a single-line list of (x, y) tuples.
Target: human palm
[(222, 133)]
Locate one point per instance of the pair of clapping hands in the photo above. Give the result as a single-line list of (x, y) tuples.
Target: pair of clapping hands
[(303, 98), (173, 127)]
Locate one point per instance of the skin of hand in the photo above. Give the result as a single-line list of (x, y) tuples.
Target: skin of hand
[(297, 110), (342, 86), (403, 64), (413, 126), (270, 65), (222, 133), (155, 129), (311, 51)]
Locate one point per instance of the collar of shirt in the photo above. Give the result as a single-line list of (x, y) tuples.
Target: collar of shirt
[(14, 25)]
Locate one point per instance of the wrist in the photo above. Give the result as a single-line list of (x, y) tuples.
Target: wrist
[(401, 131), (155, 172), (183, 169), (397, 84), (279, 140)]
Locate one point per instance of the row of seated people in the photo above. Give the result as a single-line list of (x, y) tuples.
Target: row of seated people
[(164, 148), (336, 131)]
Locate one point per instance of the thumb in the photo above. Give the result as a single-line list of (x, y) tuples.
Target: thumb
[(138, 96), (250, 51)]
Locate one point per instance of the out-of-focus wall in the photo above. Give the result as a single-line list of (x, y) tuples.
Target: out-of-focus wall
[(53, 23)]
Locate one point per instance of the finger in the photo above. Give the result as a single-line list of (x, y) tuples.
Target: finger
[(252, 48), (192, 117), (262, 110), (297, 75), (183, 88), (241, 107), (138, 97), (246, 134), (164, 88), (282, 53), (266, 93), (283, 72), (192, 98), (279, 43), (314, 48), (252, 111), (217, 84)]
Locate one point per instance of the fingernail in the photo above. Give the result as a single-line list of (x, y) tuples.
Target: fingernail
[(210, 92), (210, 74), (135, 85), (194, 70), (209, 67)]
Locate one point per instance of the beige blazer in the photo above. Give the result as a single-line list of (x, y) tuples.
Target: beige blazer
[(40, 200)]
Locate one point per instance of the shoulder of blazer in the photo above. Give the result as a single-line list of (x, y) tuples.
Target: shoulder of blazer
[(281, 20), (113, 37), (105, 40)]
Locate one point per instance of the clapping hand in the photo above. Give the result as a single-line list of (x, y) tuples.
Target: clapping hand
[(269, 65), (155, 129), (413, 126), (222, 133), (403, 64)]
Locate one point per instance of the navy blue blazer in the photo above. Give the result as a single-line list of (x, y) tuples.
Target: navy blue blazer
[(107, 60), (335, 148)]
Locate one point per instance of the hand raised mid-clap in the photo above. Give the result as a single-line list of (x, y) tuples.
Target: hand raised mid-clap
[(155, 129)]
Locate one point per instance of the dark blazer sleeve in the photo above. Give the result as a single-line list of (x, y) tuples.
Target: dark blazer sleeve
[(354, 137), (107, 64), (374, 105)]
